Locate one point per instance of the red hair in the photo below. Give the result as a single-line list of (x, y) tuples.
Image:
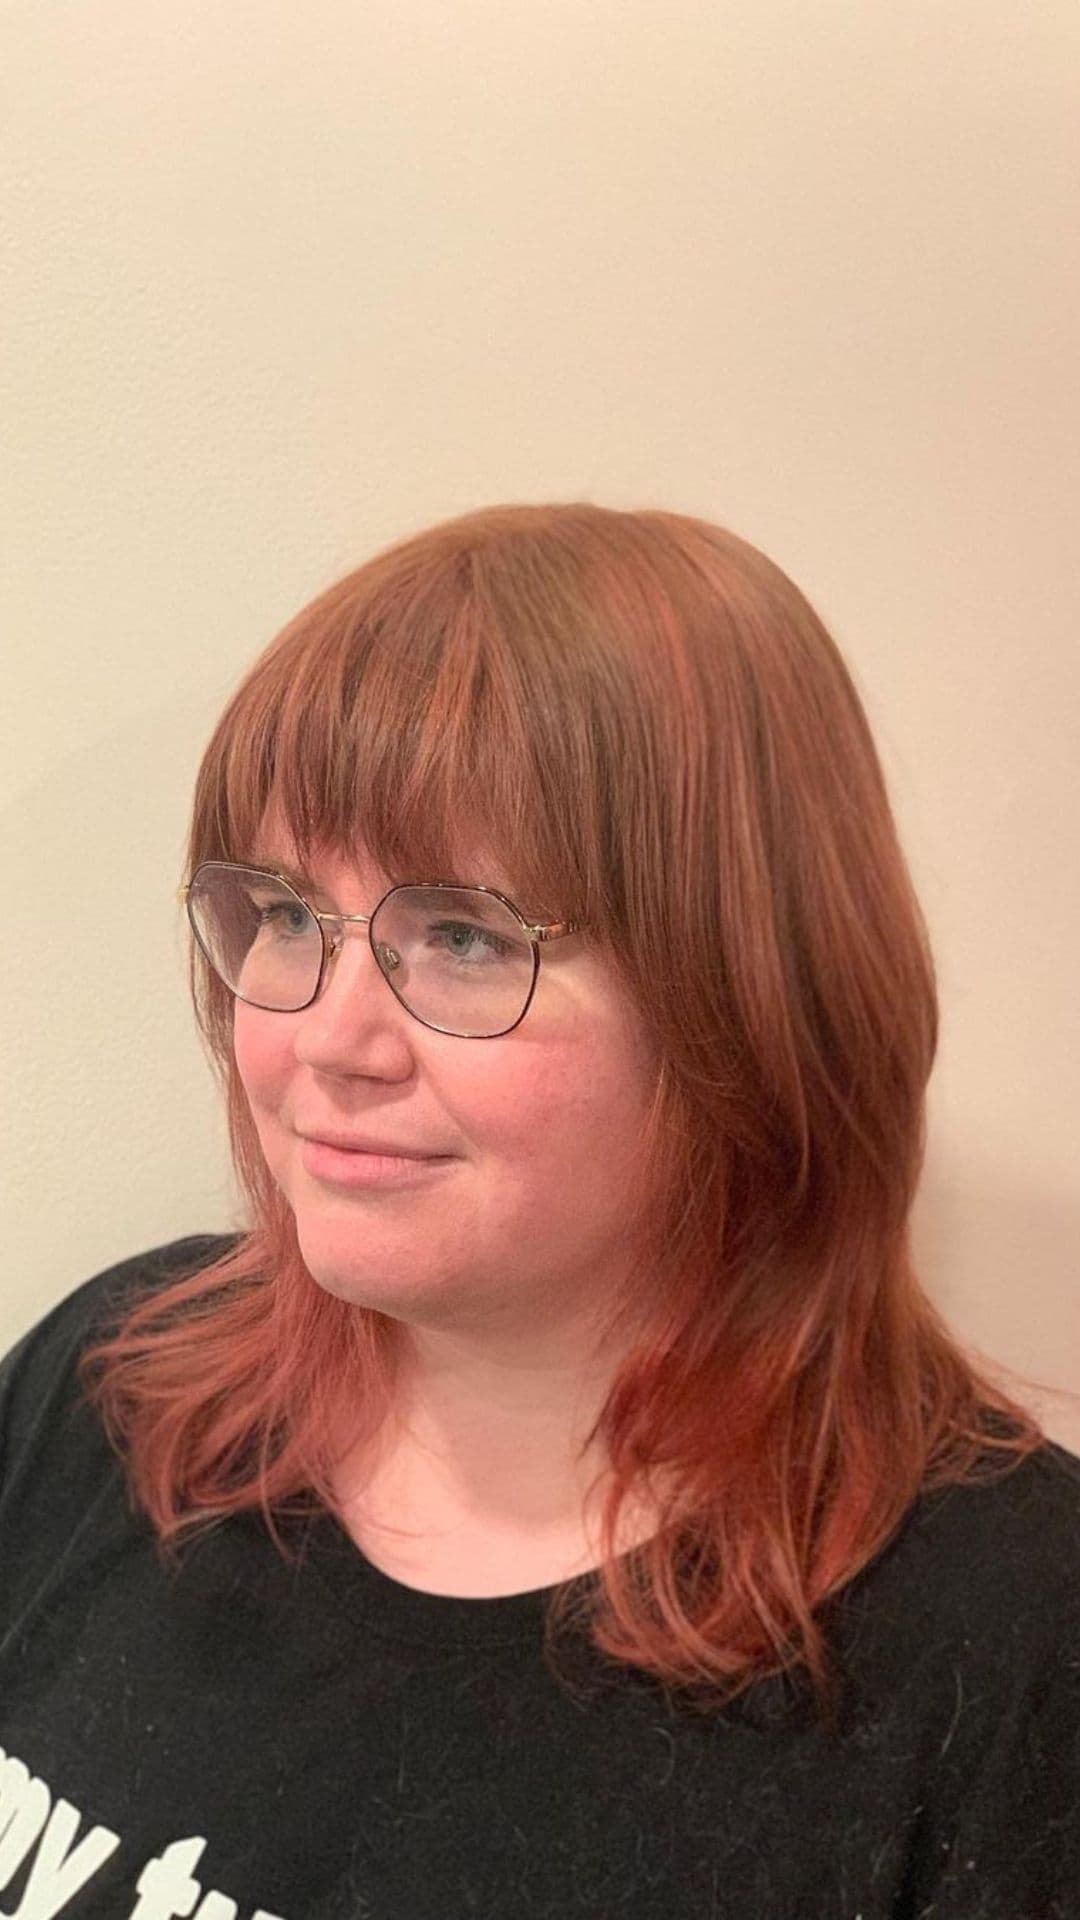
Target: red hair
[(651, 724)]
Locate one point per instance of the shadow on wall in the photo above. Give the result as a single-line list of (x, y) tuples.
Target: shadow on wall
[(999, 1260)]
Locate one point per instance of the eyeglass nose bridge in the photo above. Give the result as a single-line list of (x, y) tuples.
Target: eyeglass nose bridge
[(336, 923)]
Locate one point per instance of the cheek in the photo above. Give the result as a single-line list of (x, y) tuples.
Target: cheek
[(262, 1050)]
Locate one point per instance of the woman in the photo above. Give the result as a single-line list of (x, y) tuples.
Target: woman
[(561, 1497)]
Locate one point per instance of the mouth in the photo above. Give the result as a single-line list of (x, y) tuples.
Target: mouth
[(379, 1149), (359, 1168)]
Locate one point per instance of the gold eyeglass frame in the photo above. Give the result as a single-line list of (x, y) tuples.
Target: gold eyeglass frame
[(333, 942)]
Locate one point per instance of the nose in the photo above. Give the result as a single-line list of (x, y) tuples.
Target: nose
[(355, 1006)]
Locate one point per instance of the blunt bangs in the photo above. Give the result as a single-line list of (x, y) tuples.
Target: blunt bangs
[(423, 728)]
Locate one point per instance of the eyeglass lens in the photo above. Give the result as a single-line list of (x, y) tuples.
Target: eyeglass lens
[(456, 958)]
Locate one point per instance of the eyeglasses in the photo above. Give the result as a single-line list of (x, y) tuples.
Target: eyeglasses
[(461, 960)]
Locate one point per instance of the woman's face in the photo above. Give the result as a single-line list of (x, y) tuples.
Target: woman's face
[(520, 1226)]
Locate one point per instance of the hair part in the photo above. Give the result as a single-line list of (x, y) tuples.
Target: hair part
[(645, 720)]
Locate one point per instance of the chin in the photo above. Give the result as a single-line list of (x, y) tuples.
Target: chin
[(334, 1268), (335, 1246)]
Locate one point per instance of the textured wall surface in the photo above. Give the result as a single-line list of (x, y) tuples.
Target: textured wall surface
[(282, 283)]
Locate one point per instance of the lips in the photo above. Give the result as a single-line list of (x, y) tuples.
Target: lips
[(349, 1143), (352, 1170)]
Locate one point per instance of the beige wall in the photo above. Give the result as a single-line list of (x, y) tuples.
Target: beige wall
[(290, 280)]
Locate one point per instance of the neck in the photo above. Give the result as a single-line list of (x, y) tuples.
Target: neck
[(481, 1480)]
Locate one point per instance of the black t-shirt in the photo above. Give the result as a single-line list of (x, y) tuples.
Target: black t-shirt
[(238, 1737)]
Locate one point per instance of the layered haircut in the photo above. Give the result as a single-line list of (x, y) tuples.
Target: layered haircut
[(650, 724)]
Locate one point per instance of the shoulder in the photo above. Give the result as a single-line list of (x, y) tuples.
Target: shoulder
[(76, 1315), (970, 1677), (60, 1480), (982, 1577), (38, 1370), (1017, 1521)]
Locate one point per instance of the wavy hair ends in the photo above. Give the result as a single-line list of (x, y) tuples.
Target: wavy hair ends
[(649, 725)]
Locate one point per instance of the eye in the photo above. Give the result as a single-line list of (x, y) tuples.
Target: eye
[(285, 916), (475, 937)]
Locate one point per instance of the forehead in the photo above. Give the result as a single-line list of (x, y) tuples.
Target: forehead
[(327, 864)]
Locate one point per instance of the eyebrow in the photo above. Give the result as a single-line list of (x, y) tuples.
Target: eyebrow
[(306, 883)]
